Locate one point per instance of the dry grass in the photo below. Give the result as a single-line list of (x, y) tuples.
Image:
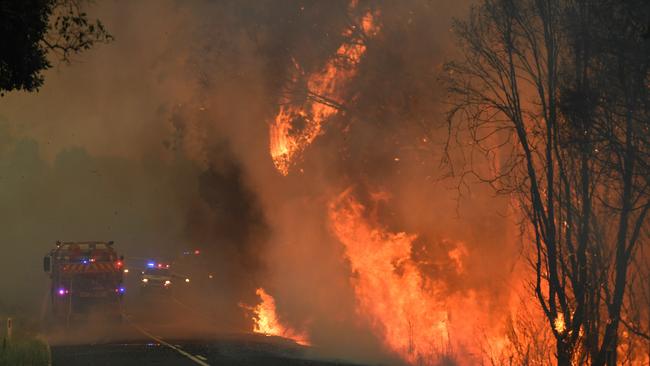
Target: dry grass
[(25, 348), (17, 352)]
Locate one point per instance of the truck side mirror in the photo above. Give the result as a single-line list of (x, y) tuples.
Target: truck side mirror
[(46, 264)]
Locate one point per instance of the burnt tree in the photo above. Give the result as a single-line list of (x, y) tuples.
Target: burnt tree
[(554, 93)]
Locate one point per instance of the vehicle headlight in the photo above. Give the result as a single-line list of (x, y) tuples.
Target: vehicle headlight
[(145, 280), (187, 280), (168, 282)]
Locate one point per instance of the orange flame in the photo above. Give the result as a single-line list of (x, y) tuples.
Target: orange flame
[(559, 324), (266, 320), (325, 96), (400, 302)]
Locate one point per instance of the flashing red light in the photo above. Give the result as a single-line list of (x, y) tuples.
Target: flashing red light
[(197, 252), (118, 264), (160, 265)]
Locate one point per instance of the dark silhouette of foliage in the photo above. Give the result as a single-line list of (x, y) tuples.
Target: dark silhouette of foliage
[(32, 30)]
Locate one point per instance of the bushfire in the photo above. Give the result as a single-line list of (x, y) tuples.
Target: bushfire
[(324, 97), (408, 311), (265, 320)]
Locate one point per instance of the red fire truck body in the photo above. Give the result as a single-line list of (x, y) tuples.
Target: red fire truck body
[(85, 277)]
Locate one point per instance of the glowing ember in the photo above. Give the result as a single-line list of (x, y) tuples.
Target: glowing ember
[(325, 94), (391, 292), (559, 324), (266, 320)]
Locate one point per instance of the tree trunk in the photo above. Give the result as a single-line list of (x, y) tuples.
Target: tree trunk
[(563, 353)]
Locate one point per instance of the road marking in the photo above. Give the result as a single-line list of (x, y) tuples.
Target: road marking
[(195, 311), (201, 357), (181, 303), (200, 361)]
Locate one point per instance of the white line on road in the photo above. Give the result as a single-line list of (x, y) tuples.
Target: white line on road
[(200, 361), (194, 310)]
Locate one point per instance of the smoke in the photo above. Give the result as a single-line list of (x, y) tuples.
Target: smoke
[(171, 124), (81, 197)]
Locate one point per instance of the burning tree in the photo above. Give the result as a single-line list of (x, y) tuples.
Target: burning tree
[(554, 93), (320, 94)]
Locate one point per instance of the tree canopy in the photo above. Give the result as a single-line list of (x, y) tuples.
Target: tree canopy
[(32, 32)]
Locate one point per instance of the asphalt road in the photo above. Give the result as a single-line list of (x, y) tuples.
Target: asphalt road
[(176, 352), (177, 333)]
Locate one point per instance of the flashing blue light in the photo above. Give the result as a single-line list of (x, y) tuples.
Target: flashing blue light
[(151, 264), (84, 261), (122, 290)]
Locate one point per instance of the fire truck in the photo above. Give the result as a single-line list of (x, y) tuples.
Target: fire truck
[(85, 277)]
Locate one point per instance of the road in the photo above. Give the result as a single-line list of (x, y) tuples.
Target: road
[(171, 335), (228, 351)]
